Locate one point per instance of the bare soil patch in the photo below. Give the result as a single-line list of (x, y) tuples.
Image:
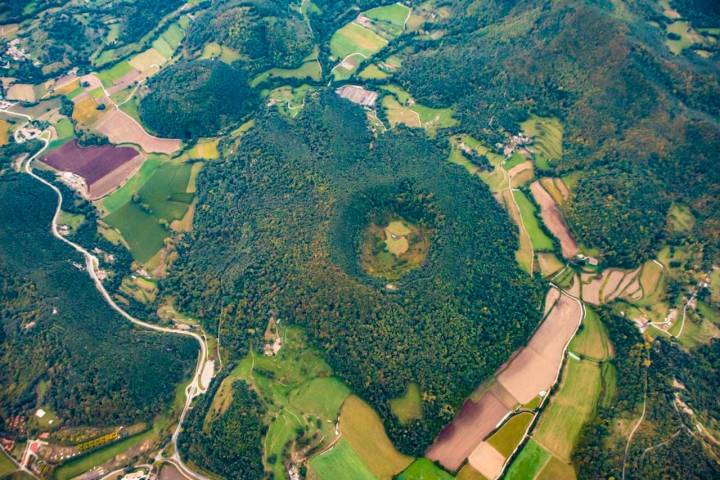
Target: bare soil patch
[(553, 220), (119, 127), (486, 460), (535, 369), (462, 436), (115, 179)]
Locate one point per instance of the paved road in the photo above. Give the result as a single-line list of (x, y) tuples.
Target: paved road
[(91, 262)]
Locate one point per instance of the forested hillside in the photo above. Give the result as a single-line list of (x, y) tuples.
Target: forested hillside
[(279, 228), (61, 347), (610, 79)]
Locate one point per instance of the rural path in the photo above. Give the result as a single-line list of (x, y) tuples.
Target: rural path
[(195, 387), (637, 425)]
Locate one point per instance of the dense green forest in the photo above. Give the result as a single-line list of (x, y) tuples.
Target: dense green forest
[(231, 444), (58, 331), (278, 228), (667, 444), (196, 98), (613, 96)]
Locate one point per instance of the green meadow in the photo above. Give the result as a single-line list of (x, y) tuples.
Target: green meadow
[(528, 211)]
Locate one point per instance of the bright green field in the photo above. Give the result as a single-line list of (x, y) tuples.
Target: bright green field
[(142, 232), (64, 129), (111, 75), (163, 47), (528, 463), (165, 191), (352, 38), (124, 194), (570, 408), (173, 36), (528, 212), (341, 462), (86, 462), (514, 160), (508, 437), (424, 469), (395, 14), (435, 117)]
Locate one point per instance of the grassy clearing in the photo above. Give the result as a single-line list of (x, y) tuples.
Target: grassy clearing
[(206, 149), (340, 462), (688, 37), (409, 406), (361, 426), (6, 465), (528, 211), (288, 100), (308, 70), (528, 463), (111, 75), (64, 129), (165, 193), (508, 437), (591, 340), (650, 278), (570, 408), (395, 14), (680, 218), (84, 463), (372, 72), (353, 38), (225, 54), (546, 133), (424, 469), (557, 470), (715, 285), (549, 263)]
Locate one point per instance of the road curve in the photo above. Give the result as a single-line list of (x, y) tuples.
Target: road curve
[(91, 263)]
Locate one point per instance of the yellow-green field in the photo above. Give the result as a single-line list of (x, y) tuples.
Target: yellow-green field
[(409, 406), (424, 469), (591, 340), (361, 426), (680, 218), (507, 438), (215, 50), (570, 408), (354, 38), (4, 132), (529, 462), (546, 134)]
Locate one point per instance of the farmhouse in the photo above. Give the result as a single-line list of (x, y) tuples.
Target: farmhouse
[(358, 94)]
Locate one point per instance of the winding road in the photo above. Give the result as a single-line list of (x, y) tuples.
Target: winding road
[(195, 387)]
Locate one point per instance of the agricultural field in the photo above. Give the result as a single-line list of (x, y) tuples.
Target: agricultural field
[(103, 168), (4, 132), (531, 222), (507, 438), (361, 426), (81, 464), (213, 50), (529, 462), (569, 409), (6, 465), (369, 33), (120, 127), (591, 341), (402, 109), (340, 461), (547, 136), (144, 209), (423, 469)]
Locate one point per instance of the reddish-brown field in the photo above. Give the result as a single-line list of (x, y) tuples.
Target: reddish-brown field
[(469, 428), (535, 368), (90, 163), (119, 127), (553, 220)]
